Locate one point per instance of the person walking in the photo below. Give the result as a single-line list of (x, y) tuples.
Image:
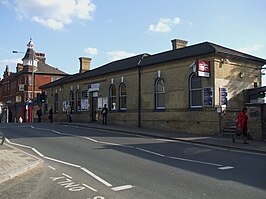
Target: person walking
[(104, 114), (242, 125), (51, 112), (39, 114)]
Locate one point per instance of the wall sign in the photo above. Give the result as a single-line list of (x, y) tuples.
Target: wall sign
[(94, 87), (21, 87), (18, 98), (84, 94), (203, 68), (208, 96), (223, 96)]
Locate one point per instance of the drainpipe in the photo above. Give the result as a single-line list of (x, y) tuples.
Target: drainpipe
[(139, 100)]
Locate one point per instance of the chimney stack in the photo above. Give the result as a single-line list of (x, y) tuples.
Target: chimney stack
[(178, 43), (85, 64), (19, 67)]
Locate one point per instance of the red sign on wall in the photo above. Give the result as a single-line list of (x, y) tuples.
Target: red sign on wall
[(203, 68)]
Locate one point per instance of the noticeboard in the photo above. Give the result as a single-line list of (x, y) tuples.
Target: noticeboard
[(208, 96), (223, 96)]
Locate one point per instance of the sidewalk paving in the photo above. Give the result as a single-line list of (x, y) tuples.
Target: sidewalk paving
[(14, 162)]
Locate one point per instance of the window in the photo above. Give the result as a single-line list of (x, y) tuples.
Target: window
[(112, 96), (56, 102), (26, 80), (71, 100), (159, 94), (78, 100), (30, 95), (25, 96), (123, 97), (195, 91)]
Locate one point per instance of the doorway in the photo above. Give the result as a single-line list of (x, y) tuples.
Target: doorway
[(95, 113), (263, 121)]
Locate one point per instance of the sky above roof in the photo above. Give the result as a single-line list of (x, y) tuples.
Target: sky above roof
[(109, 30)]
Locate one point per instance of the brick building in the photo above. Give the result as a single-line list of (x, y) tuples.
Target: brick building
[(19, 91), (193, 89)]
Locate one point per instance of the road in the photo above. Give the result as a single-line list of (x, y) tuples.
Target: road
[(99, 164)]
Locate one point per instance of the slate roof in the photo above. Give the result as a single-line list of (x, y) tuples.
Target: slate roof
[(29, 54), (120, 65), (205, 48), (46, 68), (143, 60)]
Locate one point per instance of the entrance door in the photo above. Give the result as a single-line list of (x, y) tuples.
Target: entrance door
[(95, 115), (263, 120)]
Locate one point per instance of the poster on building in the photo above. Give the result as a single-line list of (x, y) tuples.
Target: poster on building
[(101, 102), (21, 87), (208, 96), (203, 68), (84, 104), (85, 94), (223, 96), (65, 106), (18, 98)]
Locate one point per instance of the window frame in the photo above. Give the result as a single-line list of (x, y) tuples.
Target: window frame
[(122, 97), (112, 98), (191, 90), (27, 80), (78, 100), (71, 100), (159, 93)]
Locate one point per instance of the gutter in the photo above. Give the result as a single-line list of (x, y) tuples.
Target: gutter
[(139, 90)]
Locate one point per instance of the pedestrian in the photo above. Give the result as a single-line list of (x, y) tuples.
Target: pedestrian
[(51, 112), (68, 113), (39, 114), (104, 114), (20, 120), (242, 126)]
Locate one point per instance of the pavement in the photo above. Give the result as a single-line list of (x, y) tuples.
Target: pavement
[(14, 162)]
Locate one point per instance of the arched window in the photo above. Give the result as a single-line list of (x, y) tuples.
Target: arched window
[(112, 96), (159, 94), (56, 102), (71, 100), (78, 100), (123, 96), (195, 91)]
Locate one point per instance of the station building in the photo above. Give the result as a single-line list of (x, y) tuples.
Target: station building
[(189, 89)]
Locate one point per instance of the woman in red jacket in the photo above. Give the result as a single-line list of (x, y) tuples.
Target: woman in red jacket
[(242, 124)]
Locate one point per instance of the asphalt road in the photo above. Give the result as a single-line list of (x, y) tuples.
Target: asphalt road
[(97, 164)]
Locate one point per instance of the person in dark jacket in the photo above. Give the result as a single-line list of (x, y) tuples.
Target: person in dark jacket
[(39, 114), (51, 112), (104, 114)]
